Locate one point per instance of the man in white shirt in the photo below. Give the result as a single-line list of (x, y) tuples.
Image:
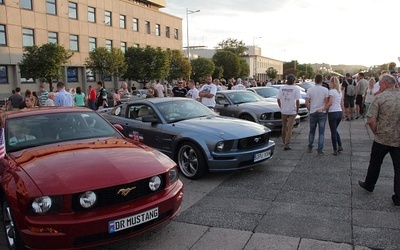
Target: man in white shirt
[(160, 89), (208, 92), (193, 92), (288, 100), (239, 85), (316, 98)]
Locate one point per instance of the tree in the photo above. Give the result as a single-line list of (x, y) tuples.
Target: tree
[(271, 72), (106, 62), (202, 67), (244, 68), (233, 45), (145, 64), (44, 61), (229, 62), (179, 66)]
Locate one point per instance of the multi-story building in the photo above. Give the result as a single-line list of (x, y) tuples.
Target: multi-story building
[(80, 26), (258, 64)]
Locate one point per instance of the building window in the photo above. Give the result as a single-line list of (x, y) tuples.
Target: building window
[(3, 37), (92, 43), (3, 74), (123, 47), (52, 37), (147, 24), (72, 10), (51, 7), (122, 22), (26, 4), (158, 30), (107, 18), (109, 45), (167, 32), (72, 74), (90, 76), (28, 37), (135, 24), (176, 34), (136, 45), (73, 43), (91, 15)]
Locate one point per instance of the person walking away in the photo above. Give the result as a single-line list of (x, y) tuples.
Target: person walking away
[(362, 85), (102, 97), (316, 99), (335, 107), (80, 97), (384, 119), (348, 87), (207, 92), (369, 95), (288, 100), (16, 99), (92, 98), (63, 98)]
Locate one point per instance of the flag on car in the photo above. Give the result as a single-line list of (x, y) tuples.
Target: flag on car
[(2, 144)]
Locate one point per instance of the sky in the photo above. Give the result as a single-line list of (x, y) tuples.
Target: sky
[(351, 32)]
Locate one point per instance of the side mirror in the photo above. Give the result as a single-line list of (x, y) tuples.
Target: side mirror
[(150, 118)]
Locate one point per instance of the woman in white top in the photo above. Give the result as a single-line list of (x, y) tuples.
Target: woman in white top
[(369, 95), (335, 109)]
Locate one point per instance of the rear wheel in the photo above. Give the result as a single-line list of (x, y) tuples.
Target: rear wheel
[(191, 161), (12, 235)]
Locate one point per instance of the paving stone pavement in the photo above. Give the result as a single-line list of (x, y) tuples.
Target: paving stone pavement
[(296, 200)]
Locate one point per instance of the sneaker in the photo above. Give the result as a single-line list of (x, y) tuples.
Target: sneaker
[(357, 116), (321, 153), (287, 148), (364, 186), (396, 201), (340, 149), (335, 152), (309, 150)]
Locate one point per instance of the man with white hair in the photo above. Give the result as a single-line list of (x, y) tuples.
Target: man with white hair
[(50, 99), (123, 91), (239, 85)]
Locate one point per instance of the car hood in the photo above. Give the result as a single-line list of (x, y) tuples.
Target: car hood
[(261, 107), (223, 127), (71, 168)]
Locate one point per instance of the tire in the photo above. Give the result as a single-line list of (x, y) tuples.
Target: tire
[(12, 235), (247, 117), (191, 161)]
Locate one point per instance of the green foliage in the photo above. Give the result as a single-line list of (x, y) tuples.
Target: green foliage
[(107, 62), (229, 62), (244, 68), (218, 72), (44, 61), (271, 72), (233, 45), (179, 66), (145, 64), (202, 67)]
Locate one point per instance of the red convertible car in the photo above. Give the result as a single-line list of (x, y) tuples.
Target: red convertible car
[(69, 179)]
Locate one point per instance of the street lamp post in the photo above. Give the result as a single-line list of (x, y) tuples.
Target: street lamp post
[(188, 12)]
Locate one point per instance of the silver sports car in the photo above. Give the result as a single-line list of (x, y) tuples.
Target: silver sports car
[(197, 138), (249, 106)]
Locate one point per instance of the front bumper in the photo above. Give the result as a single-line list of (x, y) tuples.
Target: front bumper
[(90, 228), (225, 161)]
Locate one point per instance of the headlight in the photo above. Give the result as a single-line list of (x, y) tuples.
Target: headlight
[(155, 183), (173, 175), (265, 116), (42, 204), (220, 146), (87, 199)]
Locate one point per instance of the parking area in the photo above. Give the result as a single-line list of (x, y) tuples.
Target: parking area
[(296, 200)]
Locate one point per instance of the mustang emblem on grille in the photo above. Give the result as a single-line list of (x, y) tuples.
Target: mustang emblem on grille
[(257, 139), (125, 191)]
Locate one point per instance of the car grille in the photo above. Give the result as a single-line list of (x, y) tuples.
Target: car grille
[(253, 141), (277, 115), (109, 196), (303, 105)]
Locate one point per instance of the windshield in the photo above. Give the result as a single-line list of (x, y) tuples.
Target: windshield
[(42, 129), (267, 92), (178, 110), (239, 97)]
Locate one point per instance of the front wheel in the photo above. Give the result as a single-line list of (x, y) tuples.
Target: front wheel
[(11, 231), (247, 117), (191, 161)]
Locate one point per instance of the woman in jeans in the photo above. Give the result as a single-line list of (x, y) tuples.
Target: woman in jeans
[(335, 109)]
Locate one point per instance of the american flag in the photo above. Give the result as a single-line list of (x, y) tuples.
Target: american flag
[(2, 144)]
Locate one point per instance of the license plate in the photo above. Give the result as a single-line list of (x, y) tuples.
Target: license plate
[(262, 155), (131, 221)]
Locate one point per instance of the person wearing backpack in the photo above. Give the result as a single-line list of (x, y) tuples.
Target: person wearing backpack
[(349, 90)]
